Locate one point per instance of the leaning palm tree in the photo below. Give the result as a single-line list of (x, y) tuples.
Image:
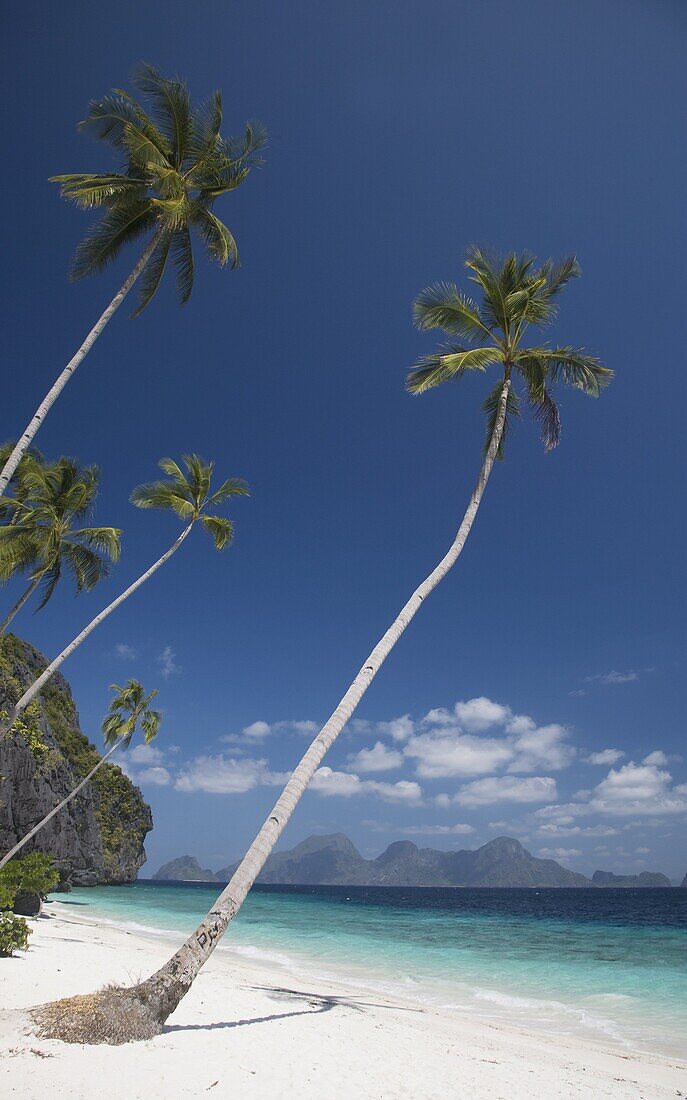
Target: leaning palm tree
[(176, 165), (189, 496), (41, 538), (129, 708), (515, 295)]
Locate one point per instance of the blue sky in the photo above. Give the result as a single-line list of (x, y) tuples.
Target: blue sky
[(399, 133)]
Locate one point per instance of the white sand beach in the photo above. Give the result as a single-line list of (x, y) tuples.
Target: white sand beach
[(245, 1031)]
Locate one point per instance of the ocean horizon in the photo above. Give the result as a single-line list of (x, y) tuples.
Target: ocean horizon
[(608, 964)]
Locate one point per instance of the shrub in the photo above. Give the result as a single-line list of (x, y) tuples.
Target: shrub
[(14, 935), (33, 874)]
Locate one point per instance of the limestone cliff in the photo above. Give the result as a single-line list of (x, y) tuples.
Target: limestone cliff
[(98, 837)]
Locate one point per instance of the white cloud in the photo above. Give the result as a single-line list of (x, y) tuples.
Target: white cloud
[(145, 754), (612, 677), (448, 752), (222, 775), (437, 830), (480, 714), (657, 757), (552, 829), (167, 660), (259, 730), (158, 777), (377, 759), (605, 756), (507, 788), (398, 729), (345, 784), (125, 652), (642, 790), (559, 853), (542, 747)]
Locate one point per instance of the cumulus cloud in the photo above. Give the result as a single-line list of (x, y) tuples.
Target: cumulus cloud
[(559, 853), (552, 829), (641, 790), (125, 652), (145, 754), (450, 744), (437, 830), (226, 775), (158, 777), (658, 758), (259, 731), (398, 729), (379, 758), (167, 661), (605, 756), (507, 788), (346, 784)]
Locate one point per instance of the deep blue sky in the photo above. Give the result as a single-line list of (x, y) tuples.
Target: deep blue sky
[(399, 132)]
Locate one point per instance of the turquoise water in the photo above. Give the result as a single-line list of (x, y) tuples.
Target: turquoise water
[(610, 964)]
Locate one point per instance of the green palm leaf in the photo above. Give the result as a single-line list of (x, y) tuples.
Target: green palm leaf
[(220, 529), (152, 273), (444, 306), (105, 240), (432, 370), (182, 253), (172, 108), (217, 237), (491, 408)]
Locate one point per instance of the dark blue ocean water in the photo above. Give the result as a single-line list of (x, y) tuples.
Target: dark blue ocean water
[(611, 964)]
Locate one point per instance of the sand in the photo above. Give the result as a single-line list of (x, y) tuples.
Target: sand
[(245, 1031)]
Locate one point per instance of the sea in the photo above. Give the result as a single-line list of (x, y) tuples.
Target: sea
[(608, 964)]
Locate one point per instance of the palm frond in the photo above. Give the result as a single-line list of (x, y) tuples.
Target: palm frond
[(232, 487), (220, 529), (49, 580), (108, 117), (86, 190), (151, 276), (206, 123), (104, 241), (171, 108), (442, 305), (432, 370), (86, 566), (162, 494), (571, 366), (182, 254), (105, 540), (217, 237), (548, 417), (486, 269)]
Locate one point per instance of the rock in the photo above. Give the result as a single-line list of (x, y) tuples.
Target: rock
[(184, 869), (27, 905), (646, 880), (335, 861), (98, 837)]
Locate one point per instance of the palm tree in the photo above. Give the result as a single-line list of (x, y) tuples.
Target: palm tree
[(514, 295), (129, 708), (177, 165), (189, 496), (41, 538)]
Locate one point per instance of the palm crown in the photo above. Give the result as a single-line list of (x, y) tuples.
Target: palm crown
[(189, 496), (40, 536), (515, 294), (130, 707), (176, 164)]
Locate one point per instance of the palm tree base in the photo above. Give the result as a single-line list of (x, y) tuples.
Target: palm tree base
[(114, 1015)]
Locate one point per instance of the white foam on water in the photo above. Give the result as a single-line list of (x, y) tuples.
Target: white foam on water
[(529, 1005)]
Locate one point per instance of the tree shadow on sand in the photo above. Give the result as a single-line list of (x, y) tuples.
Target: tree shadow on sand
[(317, 1004)]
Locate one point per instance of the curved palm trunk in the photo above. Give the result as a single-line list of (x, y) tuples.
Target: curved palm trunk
[(37, 828), (52, 395), (162, 992), (19, 604), (52, 668)]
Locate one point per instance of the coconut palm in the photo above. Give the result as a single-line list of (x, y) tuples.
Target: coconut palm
[(515, 295), (129, 709), (189, 496), (176, 165), (41, 538)]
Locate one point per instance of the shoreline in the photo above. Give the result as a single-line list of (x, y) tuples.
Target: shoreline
[(241, 1030)]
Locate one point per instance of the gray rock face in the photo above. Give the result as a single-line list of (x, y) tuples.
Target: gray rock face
[(98, 837), (184, 869), (335, 861), (647, 879)]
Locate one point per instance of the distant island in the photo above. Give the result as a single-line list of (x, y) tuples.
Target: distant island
[(335, 861)]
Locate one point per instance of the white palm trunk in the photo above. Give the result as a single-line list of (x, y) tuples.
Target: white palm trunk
[(164, 990), (52, 668), (48, 817), (52, 395), (20, 603)]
